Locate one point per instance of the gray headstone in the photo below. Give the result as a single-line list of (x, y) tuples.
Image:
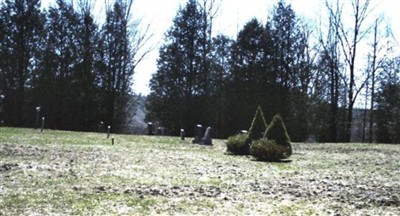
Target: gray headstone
[(41, 129), (198, 131), (206, 140)]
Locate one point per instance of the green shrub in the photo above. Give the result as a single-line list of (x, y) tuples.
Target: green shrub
[(268, 150), (238, 144), (277, 131), (258, 125)]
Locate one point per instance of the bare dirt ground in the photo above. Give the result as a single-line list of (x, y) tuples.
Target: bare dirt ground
[(163, 175)]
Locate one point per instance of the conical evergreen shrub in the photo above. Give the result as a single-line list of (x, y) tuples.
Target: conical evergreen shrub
[(258, 125), (277, 131)]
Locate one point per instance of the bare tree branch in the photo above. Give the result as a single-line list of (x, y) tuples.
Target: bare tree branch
[(349, 41)]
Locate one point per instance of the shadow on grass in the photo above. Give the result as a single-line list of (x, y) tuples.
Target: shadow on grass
[(272, 161), (238, 155), (258, 160)]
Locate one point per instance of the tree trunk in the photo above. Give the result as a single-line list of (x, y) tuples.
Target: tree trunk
[(371, 117)]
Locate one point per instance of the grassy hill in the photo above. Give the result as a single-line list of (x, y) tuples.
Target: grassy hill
[(64, 173)]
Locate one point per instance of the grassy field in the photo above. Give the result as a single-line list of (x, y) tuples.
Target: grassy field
[(64, 173)]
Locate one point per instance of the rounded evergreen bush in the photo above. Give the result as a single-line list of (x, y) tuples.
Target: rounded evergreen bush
[(268, 150), (238, 144)]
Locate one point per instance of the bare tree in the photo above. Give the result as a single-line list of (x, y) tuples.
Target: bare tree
[(349, 41), (125, 45), (331, 73), (373, 71), (209, 10), (381, 49)]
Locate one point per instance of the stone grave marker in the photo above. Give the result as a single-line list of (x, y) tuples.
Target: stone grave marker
[(41, 129), (198, 131), (206, 140)]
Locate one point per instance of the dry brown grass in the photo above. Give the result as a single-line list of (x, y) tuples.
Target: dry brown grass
[(66, 173)]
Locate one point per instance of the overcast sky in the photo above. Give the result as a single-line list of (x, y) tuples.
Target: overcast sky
[(232, 16)]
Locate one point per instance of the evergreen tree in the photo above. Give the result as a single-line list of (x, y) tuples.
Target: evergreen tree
[(116, 65), (388, 103), (180, 87), (56, 93), (293, 66), (272, 67), (22, 25), (86, 83), (220, 70), (249, 82), (388, 124), (61, 61)]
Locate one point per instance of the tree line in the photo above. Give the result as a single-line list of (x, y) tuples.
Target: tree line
[(60, 59), (80, 72), (313, 84)]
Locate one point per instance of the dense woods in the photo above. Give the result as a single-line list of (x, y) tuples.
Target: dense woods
[(80, 72), (61, 60)]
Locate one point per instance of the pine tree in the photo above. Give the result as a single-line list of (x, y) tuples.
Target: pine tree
[(292, 63), (56, 93), (22, 25), (248, 82), (220, 70), (116, 64), (388, 103), (180, 89), (85, 76)]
